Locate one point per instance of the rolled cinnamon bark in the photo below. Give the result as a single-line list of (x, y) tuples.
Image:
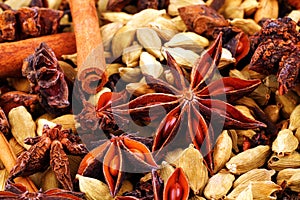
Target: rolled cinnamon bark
[(12, 54), (90, 53)]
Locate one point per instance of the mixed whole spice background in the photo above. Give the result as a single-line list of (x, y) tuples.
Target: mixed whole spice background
[(150, 99)]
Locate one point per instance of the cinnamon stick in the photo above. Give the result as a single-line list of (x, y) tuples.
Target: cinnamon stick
[(12, 54), (90, 53), (8, 158)]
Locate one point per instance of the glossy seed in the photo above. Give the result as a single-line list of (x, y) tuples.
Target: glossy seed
[(175, 192), (169, 125), (239, 48), (114, 165), (138, 153)]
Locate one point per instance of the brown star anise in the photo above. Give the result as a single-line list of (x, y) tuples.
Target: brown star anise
[(47, 79), (52, 146), (195, 110), (277, 49), (18, 191), (118, 155)]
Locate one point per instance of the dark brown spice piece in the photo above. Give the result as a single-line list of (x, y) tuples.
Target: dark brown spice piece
[(50, 147), (28, 22), (4, 125), (201, 19), (10, 100), (47, 80), (277, 47)]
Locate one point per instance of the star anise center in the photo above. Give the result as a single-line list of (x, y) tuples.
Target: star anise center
[(188, 95)]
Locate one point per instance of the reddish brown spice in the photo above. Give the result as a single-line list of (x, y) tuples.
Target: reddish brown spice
[(49, 148)]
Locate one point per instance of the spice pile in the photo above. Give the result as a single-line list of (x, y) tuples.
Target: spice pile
[(150, 99)]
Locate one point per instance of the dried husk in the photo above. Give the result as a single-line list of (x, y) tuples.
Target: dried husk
[(234, 138), (254, 175), (139, 88), (150, 66), (175, 4), (261, 95), (246, 194), (249, 26), (22, 125), (250, 6), (144, 17), (271, 82), (294, 182), (222, 151), (197, 198), (191, 162), (67, 121), (107, 32), (15, 4), (20, 84), (286, 174), (102, 5), (186, 58), (3, 178), (122, 39), (16, 147), (245, 111), (295, 119), (297, 134), (116, 17), (172, 156), (226, 59), (49, 180), (169, 76), (218, 185), (69, 71), (40, 125), (261, 190), (164, 27), (93, 188), (272, 112), (131, 55), (267, 9), (93, 99), (249, 159), (285, 143), (289, 161), (165, 171), (232, 9), (129, 74), (188, 40), (288, 102), (295, 15), (180, 25), (149, 39)]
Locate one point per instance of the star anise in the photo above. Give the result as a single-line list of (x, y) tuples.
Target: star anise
[(116, 156), (18, 191), (47, 79), (197, 108), (277, 49), (100, 117), (52, 145)]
